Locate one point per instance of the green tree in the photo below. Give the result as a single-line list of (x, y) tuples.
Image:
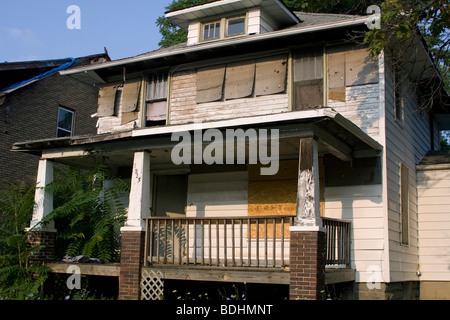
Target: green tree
[(88, 215), (171, 34), (20, 276)]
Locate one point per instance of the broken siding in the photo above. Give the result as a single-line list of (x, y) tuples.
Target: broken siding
[(353, 87), (119, 112), (184, 107)]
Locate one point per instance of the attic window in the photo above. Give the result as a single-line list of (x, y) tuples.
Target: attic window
[(211, 30), (235, 26), (223, 28)]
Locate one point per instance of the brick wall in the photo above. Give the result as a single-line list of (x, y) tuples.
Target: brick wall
[(33, 114), (131, 260), (45, 239), (307, 265)]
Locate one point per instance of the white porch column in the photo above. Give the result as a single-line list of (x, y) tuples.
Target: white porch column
[(43, 198), (140, 197)]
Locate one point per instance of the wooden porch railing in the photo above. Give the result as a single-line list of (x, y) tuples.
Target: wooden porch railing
[(338, 242), (233, 241)]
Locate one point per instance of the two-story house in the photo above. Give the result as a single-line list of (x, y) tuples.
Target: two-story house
[(271, 147), (36, 102)]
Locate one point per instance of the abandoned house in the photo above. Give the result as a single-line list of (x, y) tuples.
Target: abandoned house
[(345, 187), (36, 102)]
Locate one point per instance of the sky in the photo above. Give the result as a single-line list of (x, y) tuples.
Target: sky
[(46, 29)]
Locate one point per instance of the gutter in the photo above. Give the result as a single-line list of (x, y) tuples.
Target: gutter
[(220, 44)]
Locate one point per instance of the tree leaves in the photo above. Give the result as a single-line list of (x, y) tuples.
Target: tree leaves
[(87, 214)]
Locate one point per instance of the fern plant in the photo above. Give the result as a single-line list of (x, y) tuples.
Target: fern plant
[(88, 212), (20, 276)]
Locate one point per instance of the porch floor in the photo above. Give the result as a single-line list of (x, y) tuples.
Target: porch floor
[(202, 273)]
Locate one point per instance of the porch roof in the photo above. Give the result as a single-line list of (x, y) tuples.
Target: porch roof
[(335, 134)]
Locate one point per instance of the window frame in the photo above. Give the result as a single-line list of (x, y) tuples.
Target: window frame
[(72, 124), (223, 27), (404, 204), (162, 85)]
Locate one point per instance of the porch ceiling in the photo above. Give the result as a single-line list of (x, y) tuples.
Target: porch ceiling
[(334, 133)]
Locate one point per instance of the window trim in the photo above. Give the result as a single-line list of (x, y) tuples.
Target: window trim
[(72, 125), (157, 98), (223, 27)]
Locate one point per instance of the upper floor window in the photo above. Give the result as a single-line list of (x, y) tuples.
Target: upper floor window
[(235, 26), (225, 27), (65, 122), (211, 31), (156, 99)]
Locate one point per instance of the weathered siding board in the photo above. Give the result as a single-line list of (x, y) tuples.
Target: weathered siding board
[(407, 141), (433, 189), (361, 106), (184, 108), (363, 206)]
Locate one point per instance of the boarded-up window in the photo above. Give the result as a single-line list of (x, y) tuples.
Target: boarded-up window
[(210, 83), (404, 203), (239, 79), (270, 75), (308, 79), (130, 96), (336, 76), (106, 100), (349, 68), (360, 68)]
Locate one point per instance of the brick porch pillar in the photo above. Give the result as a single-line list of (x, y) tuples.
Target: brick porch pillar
[(307, 236), (132, 251), (43, 234)]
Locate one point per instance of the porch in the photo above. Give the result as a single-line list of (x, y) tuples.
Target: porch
[(210, 222)]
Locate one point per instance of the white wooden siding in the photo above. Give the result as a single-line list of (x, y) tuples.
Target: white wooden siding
[(407, 141), (217, 194), (433, 189), (362, 107), (363, 206)]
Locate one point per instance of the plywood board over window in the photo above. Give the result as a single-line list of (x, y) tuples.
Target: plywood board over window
[(270, 75), (336, 76), (130, 96), (360, 68), (210, 83), (404, 203), (239, 79), (106, 100)]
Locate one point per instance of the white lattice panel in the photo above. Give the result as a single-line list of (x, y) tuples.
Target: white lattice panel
[(152, 285)]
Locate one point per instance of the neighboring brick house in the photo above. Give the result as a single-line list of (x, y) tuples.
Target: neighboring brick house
[(33, 96)]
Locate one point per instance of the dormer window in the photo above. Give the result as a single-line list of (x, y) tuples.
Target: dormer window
[(235, 26), (223, 28), (211, 30)]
